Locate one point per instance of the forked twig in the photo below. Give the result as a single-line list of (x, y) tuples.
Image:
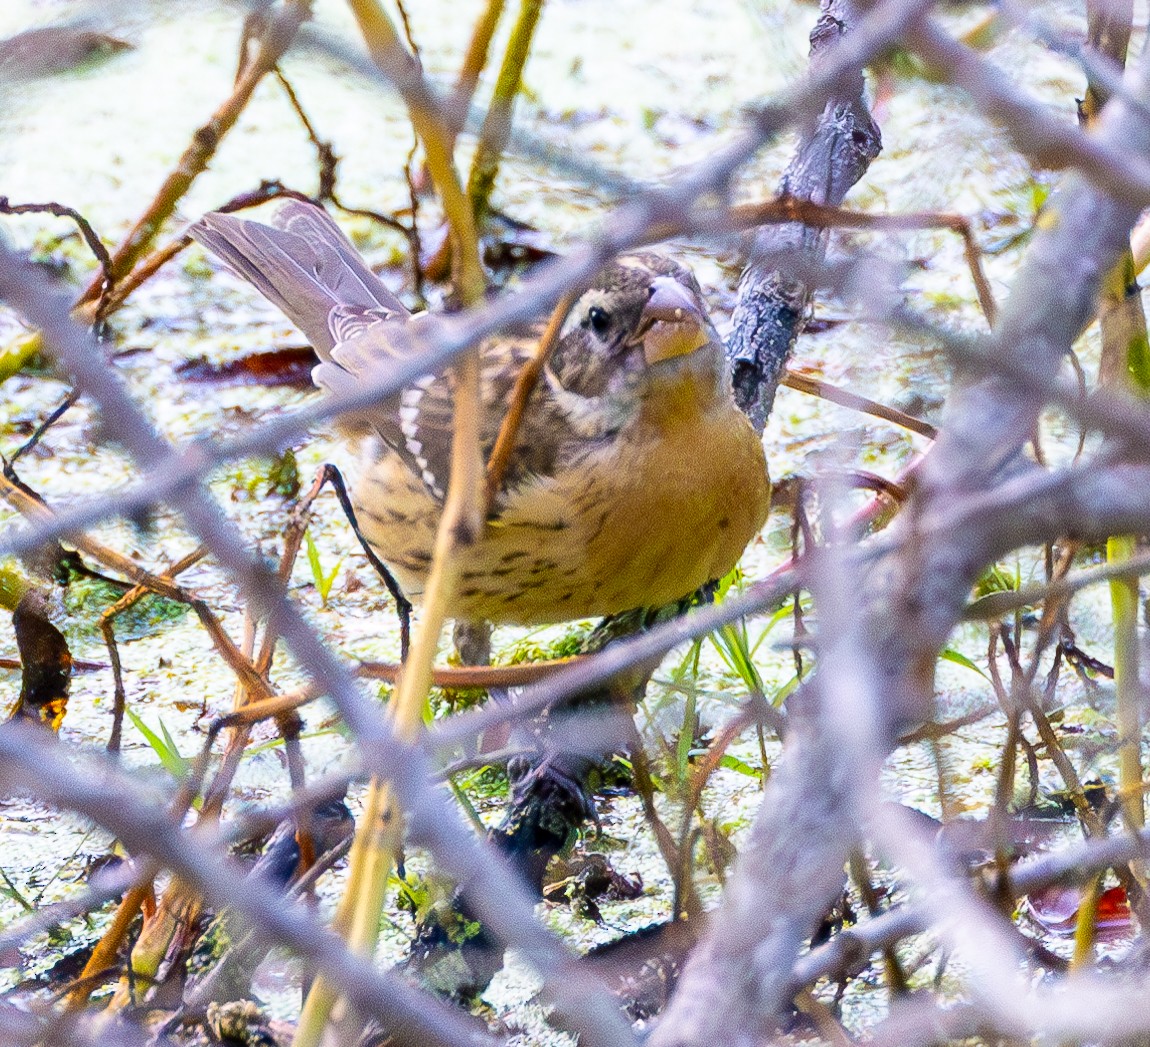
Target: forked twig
[(36, 511), (793, 209), (95, 244)]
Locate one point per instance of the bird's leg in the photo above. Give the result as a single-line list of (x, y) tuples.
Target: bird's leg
[(472, 641), (551, 798), (550, 802)]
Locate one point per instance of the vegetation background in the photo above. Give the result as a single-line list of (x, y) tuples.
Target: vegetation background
[(795, 736)]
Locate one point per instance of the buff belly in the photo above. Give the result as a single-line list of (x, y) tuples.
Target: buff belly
[(639, 525)]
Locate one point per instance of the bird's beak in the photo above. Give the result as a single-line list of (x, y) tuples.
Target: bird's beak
[(673, 322)]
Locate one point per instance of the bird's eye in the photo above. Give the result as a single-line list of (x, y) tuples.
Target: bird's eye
[(598, 319)]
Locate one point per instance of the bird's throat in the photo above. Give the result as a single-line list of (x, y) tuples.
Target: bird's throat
[(666, 340)]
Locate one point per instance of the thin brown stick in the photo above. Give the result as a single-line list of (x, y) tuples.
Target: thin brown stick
[(325, 152), (274, 41), (39, 433), (107, 628), (37, 511), (15, 665), (95, 244), (478, 677), (106, 949), (806, 383), (687, 901), (496, 128), (829, 1027), (328, 161), (293, 541), (896, 979), (794, 209), (389, 54), (525, 383), (168, 931), (484, 677), (473, 62)]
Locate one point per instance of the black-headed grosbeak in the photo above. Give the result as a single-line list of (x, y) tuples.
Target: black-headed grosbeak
[(634, 479)]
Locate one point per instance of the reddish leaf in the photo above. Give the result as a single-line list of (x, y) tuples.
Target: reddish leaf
[(1113, 910), (278, 367), (1056, 909)]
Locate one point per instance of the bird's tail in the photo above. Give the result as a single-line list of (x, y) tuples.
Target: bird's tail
[(303, 265)]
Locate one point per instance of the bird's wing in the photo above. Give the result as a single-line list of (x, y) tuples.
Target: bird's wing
[(364, 344), (338, 265), (303, 265), (306, 267), (418, 422)]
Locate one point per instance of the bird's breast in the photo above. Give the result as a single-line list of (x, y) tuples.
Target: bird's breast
[(638, 521)]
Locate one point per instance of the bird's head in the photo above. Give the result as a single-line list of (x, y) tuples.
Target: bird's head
[(642, 327)]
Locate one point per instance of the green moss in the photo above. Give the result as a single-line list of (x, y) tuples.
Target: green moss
[(283, 475), (257, 478), (196, 266), (996, 580), (486, 783), (85, 599), (571, 643), (20, 352), (445, 701), (13, 583)]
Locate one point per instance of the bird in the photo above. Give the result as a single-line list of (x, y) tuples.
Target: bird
[(634, 479)]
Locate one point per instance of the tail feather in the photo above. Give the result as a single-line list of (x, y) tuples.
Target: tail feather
[(304, 266), (341, 267)]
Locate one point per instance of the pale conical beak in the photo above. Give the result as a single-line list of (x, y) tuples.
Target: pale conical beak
[(677, 323)]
